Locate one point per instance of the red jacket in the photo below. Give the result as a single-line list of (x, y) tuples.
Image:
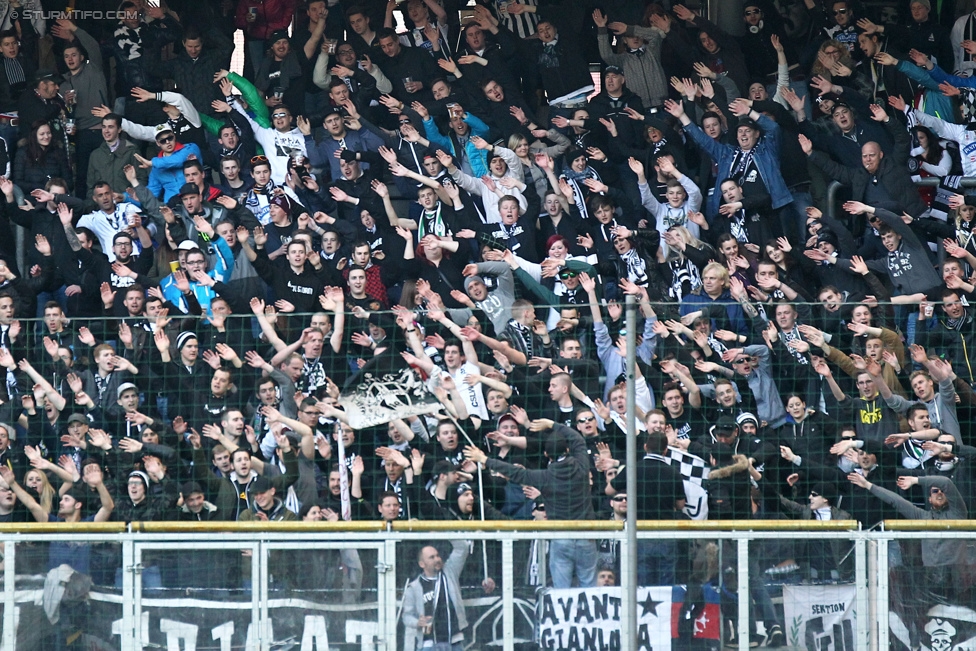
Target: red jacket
[(272, 15)]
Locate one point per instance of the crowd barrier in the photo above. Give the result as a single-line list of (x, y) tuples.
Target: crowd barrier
[(253, 587)]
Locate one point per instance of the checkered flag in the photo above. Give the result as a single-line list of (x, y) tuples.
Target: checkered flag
[(694, 471)]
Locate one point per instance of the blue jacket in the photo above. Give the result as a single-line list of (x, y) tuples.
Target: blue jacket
[(322, 154), (477, 157), (734, 318), (936, 104), (222, 271), (766, 159), (166, 177)]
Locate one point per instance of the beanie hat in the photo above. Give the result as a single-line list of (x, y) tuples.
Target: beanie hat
[(184, 338), (142, 476), (282, 201)]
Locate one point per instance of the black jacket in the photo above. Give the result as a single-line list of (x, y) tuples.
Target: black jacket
[(194, 78), (892, 172)]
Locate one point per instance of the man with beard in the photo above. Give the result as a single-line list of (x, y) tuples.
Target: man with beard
[(232, 495), (953, 461), (331, 499), (943, 558)]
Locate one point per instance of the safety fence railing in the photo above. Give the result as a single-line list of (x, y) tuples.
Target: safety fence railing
[(341, 586)]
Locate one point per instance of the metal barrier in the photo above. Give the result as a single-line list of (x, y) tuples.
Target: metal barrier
[(197, 586)]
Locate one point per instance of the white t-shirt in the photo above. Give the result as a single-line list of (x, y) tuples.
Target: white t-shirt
[(473, 396)]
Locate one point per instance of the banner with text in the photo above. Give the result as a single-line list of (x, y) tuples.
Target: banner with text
[(820, 616), (589, 618)]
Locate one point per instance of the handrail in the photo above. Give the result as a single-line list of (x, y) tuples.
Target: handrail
[(379, 526), (930, 525), (62, 527), (300, 526)]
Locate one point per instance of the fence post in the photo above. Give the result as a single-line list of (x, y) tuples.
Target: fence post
[(9, 590), (259, 596), (131, 628), (742, 547), (861, 595), (387, 602), (882, 599), (508, 596)]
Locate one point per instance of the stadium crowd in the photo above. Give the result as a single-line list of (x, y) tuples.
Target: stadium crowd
[(211, 256)]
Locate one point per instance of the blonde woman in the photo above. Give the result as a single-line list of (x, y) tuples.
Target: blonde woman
[(835, 67), (535, 175), (715, 293)]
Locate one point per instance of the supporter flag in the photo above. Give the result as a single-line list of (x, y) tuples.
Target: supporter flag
[(820, 616), (698, 614), (384, 390), (693, 471)]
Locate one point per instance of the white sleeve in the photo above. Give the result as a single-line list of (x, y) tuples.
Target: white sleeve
[(694, 193), (320, 73), (188, 110), (139, 131)]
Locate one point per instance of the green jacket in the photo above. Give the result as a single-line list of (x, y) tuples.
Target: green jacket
[(229, 493)]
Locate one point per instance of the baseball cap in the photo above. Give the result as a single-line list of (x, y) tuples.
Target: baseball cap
[(261, 484), (125, 386), (77, 418)]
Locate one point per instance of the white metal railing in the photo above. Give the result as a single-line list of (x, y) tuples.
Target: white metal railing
[(373, 624)]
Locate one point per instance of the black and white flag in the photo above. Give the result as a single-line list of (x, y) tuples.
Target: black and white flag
[(382, 392)]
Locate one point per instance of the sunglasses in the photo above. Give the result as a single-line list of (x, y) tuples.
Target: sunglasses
[(814, 494), (165, 140), (259, 159), (935, 490), (586, 419), (840, 12), (279, 115), (753, 12), (563, 275), (744, 360), (540, 507), (618, 499)]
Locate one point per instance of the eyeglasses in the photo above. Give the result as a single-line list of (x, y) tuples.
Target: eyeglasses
[(165, 140), (618, 498), (345, 50), (258, 159)]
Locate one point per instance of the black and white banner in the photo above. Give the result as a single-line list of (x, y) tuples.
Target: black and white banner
[(820, 616), (589, 618), (381, 393)]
